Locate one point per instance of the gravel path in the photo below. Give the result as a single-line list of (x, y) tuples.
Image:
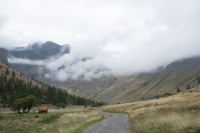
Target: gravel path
[(113, 123)]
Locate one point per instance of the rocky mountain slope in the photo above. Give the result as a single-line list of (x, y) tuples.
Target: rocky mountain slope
[(183, 74), (36, 51), (3, 56)]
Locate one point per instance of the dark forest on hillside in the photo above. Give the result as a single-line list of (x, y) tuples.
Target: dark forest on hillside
[(12, 88)]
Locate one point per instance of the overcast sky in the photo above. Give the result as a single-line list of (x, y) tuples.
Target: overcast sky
[(124, 36)]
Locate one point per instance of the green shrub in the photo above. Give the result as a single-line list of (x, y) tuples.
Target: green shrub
[(50, 118), (36, 116)]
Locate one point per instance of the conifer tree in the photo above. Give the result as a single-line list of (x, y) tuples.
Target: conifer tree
[(188, 87), (13, 74), (178, 90), (7, 71)]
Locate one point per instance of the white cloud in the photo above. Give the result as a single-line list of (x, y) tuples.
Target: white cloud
[(123, 36), (26, 61)]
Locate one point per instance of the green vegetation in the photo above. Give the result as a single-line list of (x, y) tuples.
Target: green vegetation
[(51, 118), (165, 95), (7, 71), (15, 85), (99, 104), (24, 104), (62, 122)]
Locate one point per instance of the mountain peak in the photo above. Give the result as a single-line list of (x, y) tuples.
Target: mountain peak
[(39, 51)]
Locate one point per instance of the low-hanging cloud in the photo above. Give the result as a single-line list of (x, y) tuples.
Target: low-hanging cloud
[(108, 38)]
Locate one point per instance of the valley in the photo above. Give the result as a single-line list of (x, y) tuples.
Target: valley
[(170, 94), (148, 85), (99, 66), (180, 74)]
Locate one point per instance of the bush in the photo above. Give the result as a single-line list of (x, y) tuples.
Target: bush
[(98, 104), (188, 87), (24, 104), (36, 116)]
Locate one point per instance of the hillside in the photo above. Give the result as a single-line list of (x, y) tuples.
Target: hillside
[(179, 74), (15, 85), (19, 75), (179, 113)]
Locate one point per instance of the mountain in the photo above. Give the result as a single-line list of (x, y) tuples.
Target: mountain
[(3, 56), (183, 74), (38, 51), (180, 74), (184, 63)]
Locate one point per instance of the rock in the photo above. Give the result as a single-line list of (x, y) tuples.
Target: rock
[(166, 106), (3, 56), (193, 111), (192, 131)]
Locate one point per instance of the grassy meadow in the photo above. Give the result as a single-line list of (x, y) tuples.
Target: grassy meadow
[(174, 114), (75, 121)]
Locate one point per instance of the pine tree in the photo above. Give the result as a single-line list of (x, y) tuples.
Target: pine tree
[(188, 87), (4, 97), (178, 90), (7, 71), (13, 74), (5, 78)]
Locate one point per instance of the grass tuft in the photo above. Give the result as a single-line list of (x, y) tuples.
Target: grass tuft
[(36, 116), (50, 119)]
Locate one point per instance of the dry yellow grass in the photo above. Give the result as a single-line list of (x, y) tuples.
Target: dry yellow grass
[(72, 122), (178, 114)]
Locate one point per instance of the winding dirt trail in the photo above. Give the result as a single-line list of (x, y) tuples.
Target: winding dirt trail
[(113, 123)]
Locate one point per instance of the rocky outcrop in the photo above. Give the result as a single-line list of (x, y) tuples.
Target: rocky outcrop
[(3, 56)]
